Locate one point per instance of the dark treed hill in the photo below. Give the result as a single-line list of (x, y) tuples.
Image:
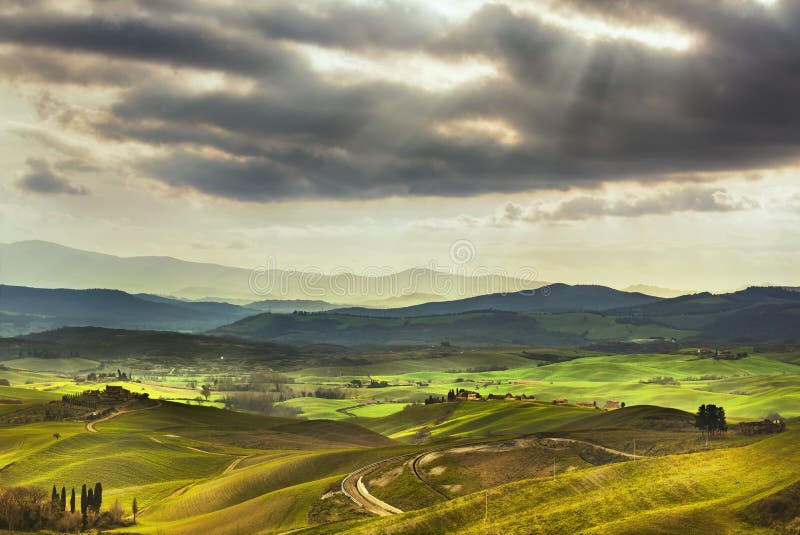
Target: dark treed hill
[(102, 344), (754, 315), (98, 342), (553, 298), (707, 303), (24, 310), (480, 328)]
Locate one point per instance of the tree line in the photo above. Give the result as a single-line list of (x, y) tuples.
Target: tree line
[(27, 508)]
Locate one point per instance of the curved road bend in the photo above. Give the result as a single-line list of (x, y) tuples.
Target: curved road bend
[(354, 488)]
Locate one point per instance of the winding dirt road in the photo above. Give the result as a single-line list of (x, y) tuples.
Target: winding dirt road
[(354, 488)]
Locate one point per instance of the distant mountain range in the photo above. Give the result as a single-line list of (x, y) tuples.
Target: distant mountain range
[(552, 298), (752, 316), (24, 310), (656, 291), (48, 265), (560, 315)]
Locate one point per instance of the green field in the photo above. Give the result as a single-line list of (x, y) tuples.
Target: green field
[(200, 469), (693, 493), (750, 387)]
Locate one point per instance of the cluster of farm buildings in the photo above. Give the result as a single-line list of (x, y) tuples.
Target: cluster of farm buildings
[(469, 395), (764, 427)]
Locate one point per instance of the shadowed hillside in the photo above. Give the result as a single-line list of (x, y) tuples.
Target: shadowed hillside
[(552, 298)]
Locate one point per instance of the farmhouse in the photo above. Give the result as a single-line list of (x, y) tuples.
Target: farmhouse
[(612, 405), (764, 427), (467, 395), (116, 393), (560, 401), (588, 404)]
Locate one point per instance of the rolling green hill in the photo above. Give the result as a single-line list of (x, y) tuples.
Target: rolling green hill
[(474, 419), (707, 492), (192, 459)]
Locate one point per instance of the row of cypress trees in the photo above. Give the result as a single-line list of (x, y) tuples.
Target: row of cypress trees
[(91, 499)]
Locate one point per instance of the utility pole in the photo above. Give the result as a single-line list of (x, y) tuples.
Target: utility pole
[(634, 449), (554, 468), (486, 510)]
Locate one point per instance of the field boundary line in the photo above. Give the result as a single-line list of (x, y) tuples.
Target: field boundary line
[(90, 425)]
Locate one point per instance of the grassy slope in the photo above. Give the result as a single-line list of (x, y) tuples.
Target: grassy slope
[(151, 454), (268, 496), (692, 493), (126, 463), (474, 419), (272, 492)]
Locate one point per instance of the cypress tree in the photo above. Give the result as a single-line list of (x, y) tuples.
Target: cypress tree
[(98, 496), (84, 500), (72, 501), (90, 499), (54, 497), (135, 509), (63, 499)]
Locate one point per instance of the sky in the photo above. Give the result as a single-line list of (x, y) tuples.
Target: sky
[(588, 141)]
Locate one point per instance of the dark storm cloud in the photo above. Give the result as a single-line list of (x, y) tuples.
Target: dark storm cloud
[(42, 179), (586, 112), (263, 179), (50, 67), (394, 25), (173, 43)]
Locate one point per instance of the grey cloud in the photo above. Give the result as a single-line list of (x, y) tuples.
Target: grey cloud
[(688, 199), (392, 25), (513, 212), (52, 67), (76, 165), (587, 112), (42, 179), (171, 42)]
